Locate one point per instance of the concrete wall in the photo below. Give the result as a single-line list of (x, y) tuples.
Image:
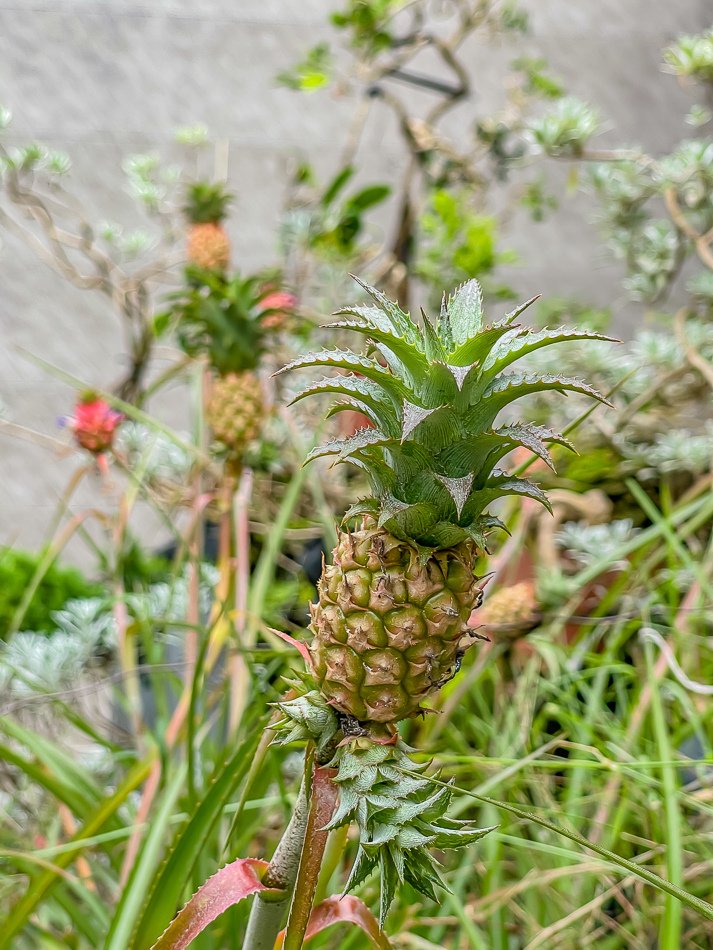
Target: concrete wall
[(104, 79)]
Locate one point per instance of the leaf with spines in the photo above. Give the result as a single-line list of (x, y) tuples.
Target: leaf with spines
[(444, 328), (530, 437), (345, 359), (512, 349), (345, 448), (465, 311), (367, 506), (366, 410), (512, 315), (400, 321), (412, 417), (501, 485), (396, 350), (477, 348), (509, 387), (363, 391), (432, 457), (433, 347), (371, 316), (397, 821)]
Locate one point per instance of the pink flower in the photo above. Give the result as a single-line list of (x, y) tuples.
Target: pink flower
[(279, 300), (276, 306), (94, 424)]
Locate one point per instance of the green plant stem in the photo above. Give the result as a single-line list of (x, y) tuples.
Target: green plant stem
[(670, 929), (264, 573), (322, 802), (267, 915)]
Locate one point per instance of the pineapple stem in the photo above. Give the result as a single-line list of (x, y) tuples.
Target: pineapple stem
[(322, 802), (268, 916)]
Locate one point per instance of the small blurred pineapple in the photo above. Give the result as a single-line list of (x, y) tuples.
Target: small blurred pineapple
[(235, 410), (510, 612), (208, 245)]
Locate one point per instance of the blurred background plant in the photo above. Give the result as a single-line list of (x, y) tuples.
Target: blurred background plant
[(432, 227)]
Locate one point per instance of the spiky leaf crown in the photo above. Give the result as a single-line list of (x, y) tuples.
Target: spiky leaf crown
[(221, 317), (433, 451), (206, 202)]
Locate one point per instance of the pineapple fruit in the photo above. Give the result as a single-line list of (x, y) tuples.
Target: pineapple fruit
[(208, 246), (390, 625), (221, 318), (391, 622), (235, 410)]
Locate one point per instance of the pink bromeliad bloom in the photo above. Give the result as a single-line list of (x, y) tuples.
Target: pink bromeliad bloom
[(277, 305), (94, 424)]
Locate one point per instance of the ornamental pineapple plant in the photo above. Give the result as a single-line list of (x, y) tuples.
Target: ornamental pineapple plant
[(208, 245), (510, 612), (227, 320), (94, 423), (391, 623), (390, 626), (94, 426)]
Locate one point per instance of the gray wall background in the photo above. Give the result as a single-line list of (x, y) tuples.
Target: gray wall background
[(101, 80)]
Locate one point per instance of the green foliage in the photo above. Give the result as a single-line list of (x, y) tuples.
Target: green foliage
[(206, 202), (538, 201), (58, 585), (368, 23), (537, 80), (336, 223), (312, 73), (219, 316), (565, 130), (513, 18), (150, 181), (456, 242), (432, 454), (691, 57), (656, 212)]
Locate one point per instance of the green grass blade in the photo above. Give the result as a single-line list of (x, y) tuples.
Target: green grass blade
[(690, 900), (39, 887), (670, 931), (134, 894), (56, 766), (168, 885)]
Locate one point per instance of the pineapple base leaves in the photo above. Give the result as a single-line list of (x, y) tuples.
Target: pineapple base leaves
[(398, 816)]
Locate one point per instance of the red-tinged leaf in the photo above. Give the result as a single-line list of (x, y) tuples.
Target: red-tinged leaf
[(343, 910), (301, 648), (225, 889)]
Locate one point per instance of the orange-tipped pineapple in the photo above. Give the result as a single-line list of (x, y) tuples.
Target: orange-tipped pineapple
[(208, 245)]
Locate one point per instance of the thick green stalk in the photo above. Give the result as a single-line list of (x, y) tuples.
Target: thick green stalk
[(268, 916), (322, 802)]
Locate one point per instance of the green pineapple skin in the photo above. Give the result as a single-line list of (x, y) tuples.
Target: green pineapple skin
[(388, 628)]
